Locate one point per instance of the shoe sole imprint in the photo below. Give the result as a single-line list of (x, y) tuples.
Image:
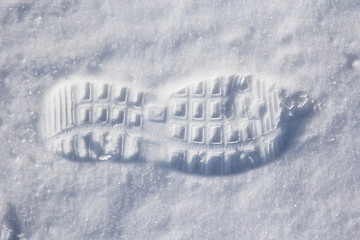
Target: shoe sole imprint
[(217, 126)]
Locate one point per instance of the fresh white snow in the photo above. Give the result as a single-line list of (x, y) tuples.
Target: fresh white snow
[(311, 191)]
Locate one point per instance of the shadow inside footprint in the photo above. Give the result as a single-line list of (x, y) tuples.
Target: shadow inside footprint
[(11, 228)]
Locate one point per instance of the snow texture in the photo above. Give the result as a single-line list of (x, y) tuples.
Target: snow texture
[(309, 48)]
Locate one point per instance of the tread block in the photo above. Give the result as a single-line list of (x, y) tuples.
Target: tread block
[(228, 109), (103, 92), (250, 133), (96, 145), (233, 134), (215, 164), (83, 147), (68, 147), (178, 131), (198, 110), (101, 115), (215, 110), (197, 162), (118, 116), (178, 160), (215, 87), (136, 98), (182, 93), (230, 85), (135, 119), (84, 91), (233, 161), (244, 84), (84, 115), (120, 94), (113, 144), (180, 109), (131, 148), (199, 89), (156, 113), (198, 134), (216, 134)]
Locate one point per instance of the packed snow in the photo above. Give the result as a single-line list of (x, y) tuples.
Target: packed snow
[(311, 191)]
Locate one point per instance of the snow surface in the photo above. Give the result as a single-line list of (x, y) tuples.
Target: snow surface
[(311, 191)]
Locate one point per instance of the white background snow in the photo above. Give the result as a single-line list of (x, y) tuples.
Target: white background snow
[(311, 191)]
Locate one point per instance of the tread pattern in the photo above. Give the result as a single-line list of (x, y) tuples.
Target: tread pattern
[(94, 107), (216, 126), (232, 115)]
